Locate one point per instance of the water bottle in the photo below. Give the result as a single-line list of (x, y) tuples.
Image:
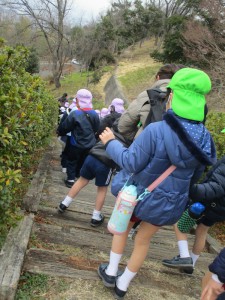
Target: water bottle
[(190, 216), (123, 210)]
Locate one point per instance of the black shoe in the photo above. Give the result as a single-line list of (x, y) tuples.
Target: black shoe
[(178, 262), (96, 223), (119, 294), (108, 280), (69, 184), (62, 207), (187, 270)]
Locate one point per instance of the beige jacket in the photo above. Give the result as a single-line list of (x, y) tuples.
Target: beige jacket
[(137, 113)]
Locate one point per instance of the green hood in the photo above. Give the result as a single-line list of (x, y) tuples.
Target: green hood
[(189, 87)]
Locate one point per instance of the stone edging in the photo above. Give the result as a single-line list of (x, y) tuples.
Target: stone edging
[(14, 250)]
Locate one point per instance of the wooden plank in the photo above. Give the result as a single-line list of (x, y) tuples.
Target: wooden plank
[(12, 256), (101, 241), (32, 198), (56, 264)]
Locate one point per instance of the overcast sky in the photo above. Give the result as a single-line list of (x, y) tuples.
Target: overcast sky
[(89, 9)]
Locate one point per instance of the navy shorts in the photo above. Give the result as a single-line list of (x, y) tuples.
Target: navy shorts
[(205, 221), (94, 168)]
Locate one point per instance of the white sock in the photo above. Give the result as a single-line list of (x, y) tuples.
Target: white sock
[(194, 258), (67, 201), (124, 280), (96, 215), (114, 261), (183, 248)]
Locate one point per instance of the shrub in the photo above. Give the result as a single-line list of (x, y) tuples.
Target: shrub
[(28, 113), (215, 123)]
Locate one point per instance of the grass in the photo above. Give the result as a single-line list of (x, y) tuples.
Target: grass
[(39, 287), (138, 80), (72, 82)]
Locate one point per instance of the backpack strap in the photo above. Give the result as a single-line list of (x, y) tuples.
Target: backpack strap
[(89, 119)]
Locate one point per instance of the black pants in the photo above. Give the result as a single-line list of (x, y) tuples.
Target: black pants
[(75, 159)]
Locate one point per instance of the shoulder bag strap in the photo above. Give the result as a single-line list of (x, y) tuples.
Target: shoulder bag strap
[(160, 179)]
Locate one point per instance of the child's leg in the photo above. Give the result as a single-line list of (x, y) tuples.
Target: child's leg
[(200, 238), (75, 189), (182, 242), (100, 199), (117, 248), (141, 246)]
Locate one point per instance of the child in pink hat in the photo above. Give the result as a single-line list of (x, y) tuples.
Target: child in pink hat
[(83, 123), (104, 112)]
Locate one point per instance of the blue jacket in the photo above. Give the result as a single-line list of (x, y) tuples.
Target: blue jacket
[(218, 266), (82, 131), (185, 144)]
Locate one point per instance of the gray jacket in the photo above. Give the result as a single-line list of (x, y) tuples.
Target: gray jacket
[(137, 112)]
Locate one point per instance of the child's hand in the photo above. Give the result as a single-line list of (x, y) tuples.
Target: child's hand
[(212, 290), (106, 135)]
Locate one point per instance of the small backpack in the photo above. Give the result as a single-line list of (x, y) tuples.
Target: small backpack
[(157, 100)]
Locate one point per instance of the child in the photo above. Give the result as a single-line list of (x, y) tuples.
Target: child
[(211, 192), (181, 140), (83, 123), (104, 112), (99, 166)]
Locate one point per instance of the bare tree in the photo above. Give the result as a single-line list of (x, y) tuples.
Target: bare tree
[(49, 17), (204, 40)]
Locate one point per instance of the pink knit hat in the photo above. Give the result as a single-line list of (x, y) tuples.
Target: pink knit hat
[(118, 104), (85, 98), (104, 112)]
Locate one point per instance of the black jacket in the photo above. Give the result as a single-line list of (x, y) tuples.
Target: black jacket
[(98, 151), (108, 121), (211, 192), (218, 266)]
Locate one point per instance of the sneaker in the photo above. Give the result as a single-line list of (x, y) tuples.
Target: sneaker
[(62, 207), (96, 223), (69, 183), (178, 262), (108, 280), (119, 294)]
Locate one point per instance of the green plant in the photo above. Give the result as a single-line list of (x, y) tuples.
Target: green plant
[(31, 286), (28, 114), (215, 123)]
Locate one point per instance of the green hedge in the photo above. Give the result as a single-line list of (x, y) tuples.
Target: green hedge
[(28, 114), (215, 123)]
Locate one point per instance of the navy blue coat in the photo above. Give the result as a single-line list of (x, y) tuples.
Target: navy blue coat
[(160, 145), (218, 266), (82, 131)]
